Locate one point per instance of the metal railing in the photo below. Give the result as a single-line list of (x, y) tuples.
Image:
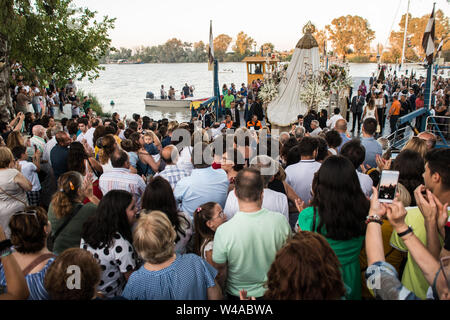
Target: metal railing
[(399, 138), (440, 127)]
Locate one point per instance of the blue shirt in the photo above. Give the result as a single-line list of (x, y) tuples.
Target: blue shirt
[(166, 141), (345, 138), (187, 278), (372, 149), (35, 282), (202, 186), (151, 149)]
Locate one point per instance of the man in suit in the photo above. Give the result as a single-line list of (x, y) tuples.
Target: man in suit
[(204, 118), (357, 109)]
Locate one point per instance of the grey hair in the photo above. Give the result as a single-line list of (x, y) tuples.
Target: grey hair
[(267, 167), (299, 132)]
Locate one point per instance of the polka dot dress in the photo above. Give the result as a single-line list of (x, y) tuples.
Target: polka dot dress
[(114, 262)]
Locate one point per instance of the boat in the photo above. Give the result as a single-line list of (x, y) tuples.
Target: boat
[(166, 103)]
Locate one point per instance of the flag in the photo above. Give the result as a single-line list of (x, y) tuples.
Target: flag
[(428, 39), (441, 44), (211, 49)]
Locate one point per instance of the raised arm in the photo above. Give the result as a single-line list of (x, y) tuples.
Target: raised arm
[(427, 263), (374, 238), (429, 210), (15, 280)]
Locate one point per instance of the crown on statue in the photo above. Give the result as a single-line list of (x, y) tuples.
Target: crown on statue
[(309, 28)]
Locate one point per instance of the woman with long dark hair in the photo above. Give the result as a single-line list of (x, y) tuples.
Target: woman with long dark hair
[(78, 160), (338, 212), (107, 235), (158, 196), (411, 166)]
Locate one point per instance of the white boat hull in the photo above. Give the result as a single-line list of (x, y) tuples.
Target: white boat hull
[(158, 103)]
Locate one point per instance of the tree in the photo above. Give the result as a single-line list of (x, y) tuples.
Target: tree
[(53, 38), (362, 35), (416, 28), (349, 31), (340, 34), (267, 48), (321, 37), (199, 54), (221, 44), (243, 44)]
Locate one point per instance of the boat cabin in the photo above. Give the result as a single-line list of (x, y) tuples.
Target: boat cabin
[(258, 66)]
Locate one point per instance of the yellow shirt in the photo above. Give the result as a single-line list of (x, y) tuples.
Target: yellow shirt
[(413, 278)]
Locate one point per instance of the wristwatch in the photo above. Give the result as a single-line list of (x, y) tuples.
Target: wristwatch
[(404, 233)]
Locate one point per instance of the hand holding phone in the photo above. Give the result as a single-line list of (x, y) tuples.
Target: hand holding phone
[(388, 186)]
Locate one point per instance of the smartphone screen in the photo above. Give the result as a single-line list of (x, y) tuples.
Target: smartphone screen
[(394, 154), (388, 186)]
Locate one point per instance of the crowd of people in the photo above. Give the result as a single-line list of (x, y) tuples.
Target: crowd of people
[(386, 100), (156, 209)]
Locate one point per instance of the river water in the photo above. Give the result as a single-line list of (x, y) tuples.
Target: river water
[(127, 84)]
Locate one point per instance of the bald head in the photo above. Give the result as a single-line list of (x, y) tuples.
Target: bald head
[(170, 154), (341, 125), (429, 138), (39, 131)]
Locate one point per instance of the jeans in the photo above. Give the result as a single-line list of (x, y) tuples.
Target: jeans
[(381, 117), (37, 108)]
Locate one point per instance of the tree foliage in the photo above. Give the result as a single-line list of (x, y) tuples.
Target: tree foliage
[(221, 44), (267, 48), (57, 39), (243, 44), (350, 34), (416, 29), (321, 37)]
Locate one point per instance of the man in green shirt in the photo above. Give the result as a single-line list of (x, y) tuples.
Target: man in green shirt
[(437, 180), (228, 99), (247, 244)]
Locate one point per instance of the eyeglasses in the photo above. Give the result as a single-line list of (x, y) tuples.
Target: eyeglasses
[(27, 213), (220, 215)]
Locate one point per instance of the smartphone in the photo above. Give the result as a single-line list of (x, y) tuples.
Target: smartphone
[(394, 154), (388, 186)]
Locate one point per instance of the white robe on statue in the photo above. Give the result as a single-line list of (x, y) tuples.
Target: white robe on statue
[(284, 110)]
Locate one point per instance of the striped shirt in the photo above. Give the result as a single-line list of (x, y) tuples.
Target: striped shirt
[(173, 173), (35, 282), (122, 179)]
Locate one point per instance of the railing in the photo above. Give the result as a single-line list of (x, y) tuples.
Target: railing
[(440, 127), (399, 138)]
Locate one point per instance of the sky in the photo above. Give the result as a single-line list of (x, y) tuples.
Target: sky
[(149, 22)]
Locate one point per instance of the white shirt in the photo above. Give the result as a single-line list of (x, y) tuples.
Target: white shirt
[(316, 132), (47, 149), (29, 171), (81, 136), (366, 183), (331, 123), (272, 201), (89, 136), (300, 176)]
